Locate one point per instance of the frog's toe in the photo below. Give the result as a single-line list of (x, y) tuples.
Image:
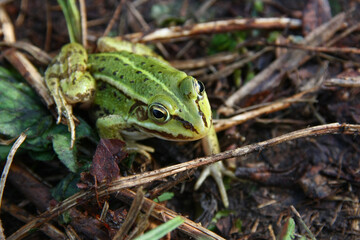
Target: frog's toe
[(139, 148), (217, 171), (63, 108)]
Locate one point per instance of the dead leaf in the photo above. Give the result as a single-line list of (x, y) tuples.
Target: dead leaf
[(109, 153)]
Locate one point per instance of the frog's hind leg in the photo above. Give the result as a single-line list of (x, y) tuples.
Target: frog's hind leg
[(69, 82), (62, 107)]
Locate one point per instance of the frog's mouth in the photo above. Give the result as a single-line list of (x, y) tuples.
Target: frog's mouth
[(190, 133), (166, 135)]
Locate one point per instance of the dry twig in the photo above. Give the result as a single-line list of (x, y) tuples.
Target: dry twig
[(143, 178), (173, 33)]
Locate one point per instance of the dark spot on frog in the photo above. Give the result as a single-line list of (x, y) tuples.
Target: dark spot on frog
[(141, 114), (117, 59), (101, 69), (186, 124), (81, 52), (203, 118), (145, 79), (114, 73), (152, 65), (125, 64), (142, 63), (103, 59), (96, 58), (159, 72), (138, 72), (73, 81), (106, 111), (114, 93), (132, 81), (122, 76), (180, 110), (102, 86)]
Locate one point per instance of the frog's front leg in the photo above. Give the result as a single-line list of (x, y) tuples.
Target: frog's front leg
[(112, 126), (69, 82), (216, 170)]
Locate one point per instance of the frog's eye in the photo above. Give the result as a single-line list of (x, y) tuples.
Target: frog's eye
[(199, 87), (159, 113)]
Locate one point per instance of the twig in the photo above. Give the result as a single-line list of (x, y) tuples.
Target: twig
[(228, 70), (39, 194), (23, 7), (6, 169), (173, 33), (132, 215), (7, 26), (48, 26), (143, 178), (114, 18), (205, 61), (343, 82), (282, 64), (303, 224), (24, 216), (19, 61), (30, 73), (83, 21), (222, 124), (9, 160), (138, 16), (34, 51), (314, 48)]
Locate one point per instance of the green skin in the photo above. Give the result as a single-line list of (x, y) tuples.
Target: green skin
[(135, 94), (126, 89)]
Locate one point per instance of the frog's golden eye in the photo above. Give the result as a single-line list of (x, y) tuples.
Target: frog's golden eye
[(199, 87), (159, 113)]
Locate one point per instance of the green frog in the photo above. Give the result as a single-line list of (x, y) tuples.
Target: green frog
[(135, 94)]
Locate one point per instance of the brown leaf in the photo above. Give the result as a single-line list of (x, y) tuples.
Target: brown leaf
[(109, 153)]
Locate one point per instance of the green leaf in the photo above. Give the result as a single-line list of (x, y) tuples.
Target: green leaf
[(288, 230), (67, 187), (20, 110), (67, 155), (259, 5), (225, 42), (162, 230), (164, 197)]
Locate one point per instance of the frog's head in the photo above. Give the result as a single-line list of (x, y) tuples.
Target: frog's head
[(183, 114)]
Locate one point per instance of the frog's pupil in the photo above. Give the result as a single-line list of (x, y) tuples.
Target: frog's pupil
[(158, 114), (201, 87)]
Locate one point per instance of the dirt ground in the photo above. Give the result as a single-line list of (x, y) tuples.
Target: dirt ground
[(263, 80)]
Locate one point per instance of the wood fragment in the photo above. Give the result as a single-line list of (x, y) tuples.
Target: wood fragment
[(173, 33), (281, 66)]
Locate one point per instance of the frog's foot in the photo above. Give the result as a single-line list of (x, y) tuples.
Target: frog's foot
[(64, 109), (139, 148), (217, 171)]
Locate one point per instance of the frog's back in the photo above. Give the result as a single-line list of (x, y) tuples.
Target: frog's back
[(139, 77)]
